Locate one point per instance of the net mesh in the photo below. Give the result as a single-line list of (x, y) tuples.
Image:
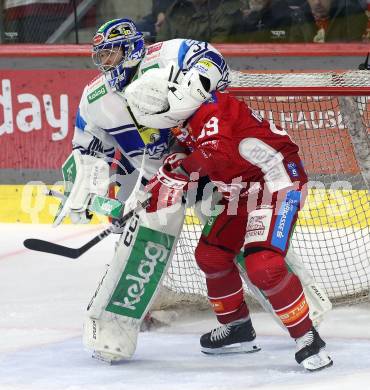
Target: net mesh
[(332, 234), (349, 79)]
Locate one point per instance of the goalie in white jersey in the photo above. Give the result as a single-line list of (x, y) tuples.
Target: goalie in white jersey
[(104, 124)]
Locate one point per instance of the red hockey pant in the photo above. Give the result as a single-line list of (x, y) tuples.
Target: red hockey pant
[(223, 238)]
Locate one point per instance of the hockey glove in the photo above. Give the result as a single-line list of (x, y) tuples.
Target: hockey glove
[(168, 184), (84, 176)]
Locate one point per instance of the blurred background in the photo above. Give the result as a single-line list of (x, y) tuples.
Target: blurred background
[(218, 21), (295, 61)]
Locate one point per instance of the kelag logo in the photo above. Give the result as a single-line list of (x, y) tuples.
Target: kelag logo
[(99, 92), (143, 271)]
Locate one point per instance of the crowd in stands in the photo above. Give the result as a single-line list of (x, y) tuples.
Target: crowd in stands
[(217, 21), (258, 21)]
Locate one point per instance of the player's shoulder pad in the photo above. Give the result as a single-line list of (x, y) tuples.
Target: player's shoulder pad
[(96, 89), (161, 53)]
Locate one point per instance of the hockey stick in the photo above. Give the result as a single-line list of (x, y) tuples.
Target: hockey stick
[(73, 253)]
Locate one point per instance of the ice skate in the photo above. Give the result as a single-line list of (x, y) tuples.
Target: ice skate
[(311, 352), (236, 337), (107, 357)]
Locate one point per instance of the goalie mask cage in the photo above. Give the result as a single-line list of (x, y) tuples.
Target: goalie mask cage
[(327, 114)]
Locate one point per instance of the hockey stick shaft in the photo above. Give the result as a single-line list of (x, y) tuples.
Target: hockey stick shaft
[(56, 194), (73, 253)]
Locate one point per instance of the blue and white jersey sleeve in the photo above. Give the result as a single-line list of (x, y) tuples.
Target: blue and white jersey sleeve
[(206, 60), (89, 139), (186, 55), (104, 124)]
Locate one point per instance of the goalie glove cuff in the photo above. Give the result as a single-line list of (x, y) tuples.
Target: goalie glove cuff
[(168, 184)]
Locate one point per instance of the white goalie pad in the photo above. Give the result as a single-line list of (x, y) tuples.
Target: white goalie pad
[(131, 282), (317, 300)]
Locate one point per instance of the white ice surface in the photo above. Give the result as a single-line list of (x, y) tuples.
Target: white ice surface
[(42, 301)]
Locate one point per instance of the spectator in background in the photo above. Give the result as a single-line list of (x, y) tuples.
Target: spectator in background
[(366, 36), (204, 20), (333, 20), (269, 21), (150, 24)]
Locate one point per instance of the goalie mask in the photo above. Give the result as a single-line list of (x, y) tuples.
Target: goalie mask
[(118, 48)]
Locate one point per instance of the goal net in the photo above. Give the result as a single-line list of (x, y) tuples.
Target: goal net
[(327, 115)]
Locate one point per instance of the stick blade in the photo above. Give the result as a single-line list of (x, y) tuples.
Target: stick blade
[(49, 247)]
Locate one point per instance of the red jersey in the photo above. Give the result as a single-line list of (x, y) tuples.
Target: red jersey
[(233, 144)]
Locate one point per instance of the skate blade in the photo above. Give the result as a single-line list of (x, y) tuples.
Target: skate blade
[(317, 362), (246, 347), (107, 357)]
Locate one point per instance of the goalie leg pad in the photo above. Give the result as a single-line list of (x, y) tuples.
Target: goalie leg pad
[(131, 283), (267, 270), (317, 299), (111, 337)]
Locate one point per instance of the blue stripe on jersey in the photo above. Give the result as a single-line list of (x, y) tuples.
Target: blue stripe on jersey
[(137, 153), (129, 140), (284, 220), (124, 127), (80, 122), (156, 150), (202, 49), (132, 144), (184, 48), (217, 60), (110, 152)]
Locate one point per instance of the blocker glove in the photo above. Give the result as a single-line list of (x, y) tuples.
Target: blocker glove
[(168, 184)]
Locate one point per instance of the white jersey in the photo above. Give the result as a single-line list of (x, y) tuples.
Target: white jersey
[(104, 124)]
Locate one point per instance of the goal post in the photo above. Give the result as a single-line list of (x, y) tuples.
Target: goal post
[(328, 115)]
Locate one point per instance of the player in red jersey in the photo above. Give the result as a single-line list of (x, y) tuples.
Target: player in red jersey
[(257, 169)]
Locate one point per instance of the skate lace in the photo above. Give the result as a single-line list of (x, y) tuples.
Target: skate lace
[(220, 332), (305, 340)]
